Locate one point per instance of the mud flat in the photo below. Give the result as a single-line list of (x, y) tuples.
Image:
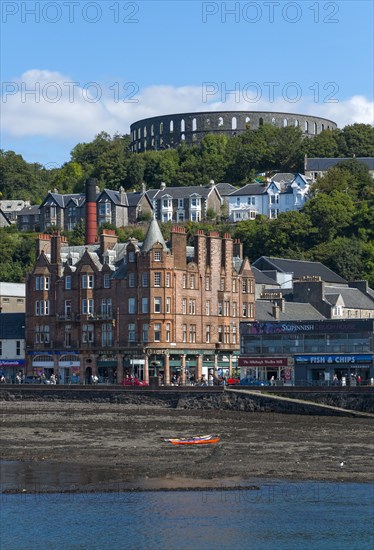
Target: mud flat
[(49, 446)]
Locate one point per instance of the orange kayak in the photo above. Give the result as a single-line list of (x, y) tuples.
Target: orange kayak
[(197, 440)]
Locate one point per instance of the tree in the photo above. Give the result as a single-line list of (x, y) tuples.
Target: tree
[(331, 214), (343, 255), (327, 144), (69, 178), (359, 140), (135, 171)]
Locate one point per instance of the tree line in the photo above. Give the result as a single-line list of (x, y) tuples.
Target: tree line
[(335, 227), (235, 159)]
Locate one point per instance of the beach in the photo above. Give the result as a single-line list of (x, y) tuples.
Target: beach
[(66, 446)]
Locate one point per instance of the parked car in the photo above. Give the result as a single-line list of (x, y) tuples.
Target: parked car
[(31, 380), (133, 381), (253, 382), (233, 381)]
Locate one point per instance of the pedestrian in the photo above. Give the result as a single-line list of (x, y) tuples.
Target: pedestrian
[(52, 379), (272, 381), (18, 379), (358, 379), (2, 379)]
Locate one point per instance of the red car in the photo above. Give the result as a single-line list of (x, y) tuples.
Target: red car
[(132, 381), (233, 381)]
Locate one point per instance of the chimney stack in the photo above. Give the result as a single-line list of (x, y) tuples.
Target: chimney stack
[(238, 249), (91, 215)]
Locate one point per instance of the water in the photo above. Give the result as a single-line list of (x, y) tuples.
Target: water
[(281, 515)]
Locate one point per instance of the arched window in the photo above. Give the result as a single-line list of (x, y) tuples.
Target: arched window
[(161, 127), (234, 123), (247, 122), (273, 121), (183, 137), (183, 125), (152, 130), (171, 127), (220, 121), (138, 133), (315, 128), (145, 144), (306, 127), (322, 127), (145, 131), (260, 121), (194, 125), (285, 122), (297, 123)]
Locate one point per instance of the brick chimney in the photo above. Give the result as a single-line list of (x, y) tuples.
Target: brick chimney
[(108, 240), (200, 248), (178, 246), (227, 252), (43, 244), (238, 249), (91, 214)]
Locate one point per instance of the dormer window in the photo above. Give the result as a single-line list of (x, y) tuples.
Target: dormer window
[(157, 256), (131, 256)]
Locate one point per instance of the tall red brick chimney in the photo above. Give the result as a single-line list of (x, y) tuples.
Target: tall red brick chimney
[(91, 215)]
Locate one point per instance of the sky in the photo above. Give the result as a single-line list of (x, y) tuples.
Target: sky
[(72, 69)]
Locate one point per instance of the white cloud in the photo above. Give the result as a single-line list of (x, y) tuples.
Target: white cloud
[(49, 104)]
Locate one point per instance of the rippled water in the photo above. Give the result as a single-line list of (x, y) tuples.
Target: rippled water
[(281, 515)]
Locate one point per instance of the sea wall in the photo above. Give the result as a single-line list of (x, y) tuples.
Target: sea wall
[(202, 398)]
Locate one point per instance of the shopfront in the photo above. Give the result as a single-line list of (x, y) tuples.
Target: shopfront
[(308, 352), (342, 369), (11, 367), (267, 368)]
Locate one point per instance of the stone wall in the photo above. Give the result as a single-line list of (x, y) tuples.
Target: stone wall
[(168, 131), (199, 398)]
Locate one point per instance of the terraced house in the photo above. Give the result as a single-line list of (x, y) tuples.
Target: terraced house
[(143, 308)]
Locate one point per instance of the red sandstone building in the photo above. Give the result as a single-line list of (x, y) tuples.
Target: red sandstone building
[(112, 308)]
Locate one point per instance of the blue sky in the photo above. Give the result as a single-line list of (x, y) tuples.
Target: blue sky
[(98, 66)]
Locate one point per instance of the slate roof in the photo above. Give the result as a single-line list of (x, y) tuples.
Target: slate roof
[(352, 297), (133, 199), (285, 177), (153, 236), (298, 268), (29, 211), (5, 217), (225, 188), (251, 189), (12, 326), (262, 279), (62, 200), (294, 311), (323, 164), (180, 192), (114, 196)]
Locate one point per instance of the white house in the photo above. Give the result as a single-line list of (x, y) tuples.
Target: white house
[(281, 193)]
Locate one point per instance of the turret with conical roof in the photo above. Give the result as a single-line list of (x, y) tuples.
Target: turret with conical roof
[(153, 236)]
